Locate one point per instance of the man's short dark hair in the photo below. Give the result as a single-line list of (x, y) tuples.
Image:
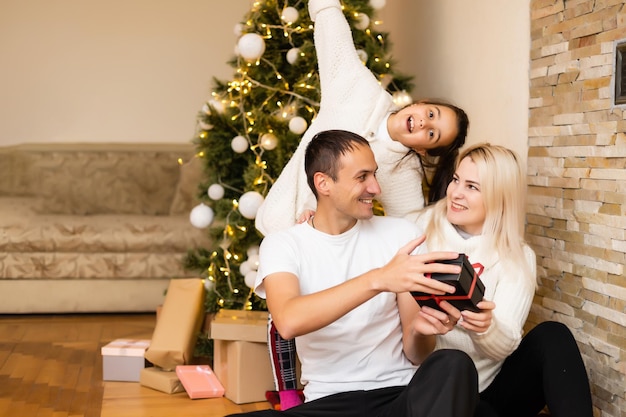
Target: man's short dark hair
[(325, 150)]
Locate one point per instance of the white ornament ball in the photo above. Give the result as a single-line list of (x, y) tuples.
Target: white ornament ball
[(362, 21), (251, 46), (252, 250), (215, 192), (377, 4), (238, 29), (289, 15), (201, 216), (206, 109), (362, 55), (249, 204), (239, 144), (217, 105), (245, 267), (402, 99), (209, 285), (253, 261), (298, 125), (292, 55), (205, 126), (269, 141), (250, 278)]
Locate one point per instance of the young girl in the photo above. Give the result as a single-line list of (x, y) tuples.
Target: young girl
[(354, 100), (483, 216)]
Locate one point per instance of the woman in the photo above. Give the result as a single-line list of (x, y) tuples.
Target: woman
[(483, 216), (353, 100)]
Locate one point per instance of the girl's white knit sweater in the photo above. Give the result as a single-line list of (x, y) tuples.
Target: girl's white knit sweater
[(353, 100)]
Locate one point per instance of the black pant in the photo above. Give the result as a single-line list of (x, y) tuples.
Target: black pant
[(445, 385), (546, 369)]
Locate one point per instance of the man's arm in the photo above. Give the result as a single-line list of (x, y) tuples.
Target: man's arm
[(295, 314)]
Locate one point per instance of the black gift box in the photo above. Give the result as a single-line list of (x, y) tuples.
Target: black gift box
[(469, 288)]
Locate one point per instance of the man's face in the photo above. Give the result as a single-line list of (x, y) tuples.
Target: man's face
[(356, 186)]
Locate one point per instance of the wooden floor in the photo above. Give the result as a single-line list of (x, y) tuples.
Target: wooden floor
[(51, 366)]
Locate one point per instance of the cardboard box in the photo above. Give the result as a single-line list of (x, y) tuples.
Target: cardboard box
[(469, 288), (123, 359), (240, 355), (250, 326), (175, 333), (199, 381), (160, 380)]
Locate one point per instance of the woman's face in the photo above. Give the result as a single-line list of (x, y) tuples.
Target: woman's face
[(466, 208), (423, 126)]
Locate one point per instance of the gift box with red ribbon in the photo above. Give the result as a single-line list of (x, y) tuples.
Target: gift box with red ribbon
[(469, 288)]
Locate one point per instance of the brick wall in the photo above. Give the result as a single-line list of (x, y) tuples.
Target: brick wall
[(577, 185)]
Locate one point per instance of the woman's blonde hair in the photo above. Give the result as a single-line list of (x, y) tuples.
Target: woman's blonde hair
[(503, 187)]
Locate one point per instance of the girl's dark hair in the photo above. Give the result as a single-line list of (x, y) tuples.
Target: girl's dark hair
[(439, 162)]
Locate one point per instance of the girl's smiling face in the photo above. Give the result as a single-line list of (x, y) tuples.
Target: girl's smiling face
[(423, 126)]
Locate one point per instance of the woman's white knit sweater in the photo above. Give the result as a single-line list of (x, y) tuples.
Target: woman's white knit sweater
[(353, 100), (508, 286)]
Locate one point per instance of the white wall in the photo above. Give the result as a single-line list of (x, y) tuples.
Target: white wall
[(110, 71), (472, 53), (139, 70)]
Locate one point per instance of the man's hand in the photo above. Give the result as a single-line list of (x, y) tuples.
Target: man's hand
[(406, 272)]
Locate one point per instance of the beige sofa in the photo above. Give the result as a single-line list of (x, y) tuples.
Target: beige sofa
[(94, 228)]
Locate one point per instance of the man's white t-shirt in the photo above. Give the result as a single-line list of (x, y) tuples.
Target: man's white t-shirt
[(363, 349)]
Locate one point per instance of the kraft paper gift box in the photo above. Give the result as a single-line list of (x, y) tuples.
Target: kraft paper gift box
[(469, 288), (199, 381), (175, 333), (123, 359), (241, 356), (160, 380)]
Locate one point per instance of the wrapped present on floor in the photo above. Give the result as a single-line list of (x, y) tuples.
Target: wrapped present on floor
[(240, 354), (123, 359), (160, 380), (175, 333), (199, 381)]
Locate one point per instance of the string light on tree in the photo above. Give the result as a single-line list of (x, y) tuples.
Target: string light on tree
[(252, 124)]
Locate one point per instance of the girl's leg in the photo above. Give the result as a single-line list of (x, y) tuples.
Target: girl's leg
[(545, 369)]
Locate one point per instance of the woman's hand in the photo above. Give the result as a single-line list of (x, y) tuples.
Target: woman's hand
[(478, 322), (433, 322)]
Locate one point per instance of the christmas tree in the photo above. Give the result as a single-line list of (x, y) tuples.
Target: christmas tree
[(251, 125)]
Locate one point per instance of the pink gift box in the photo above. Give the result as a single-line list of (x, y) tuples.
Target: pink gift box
[(199, 381)]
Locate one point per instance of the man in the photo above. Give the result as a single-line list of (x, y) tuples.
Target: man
[(339, 284)]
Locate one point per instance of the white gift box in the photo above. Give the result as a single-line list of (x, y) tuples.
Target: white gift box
[(123, 359)]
